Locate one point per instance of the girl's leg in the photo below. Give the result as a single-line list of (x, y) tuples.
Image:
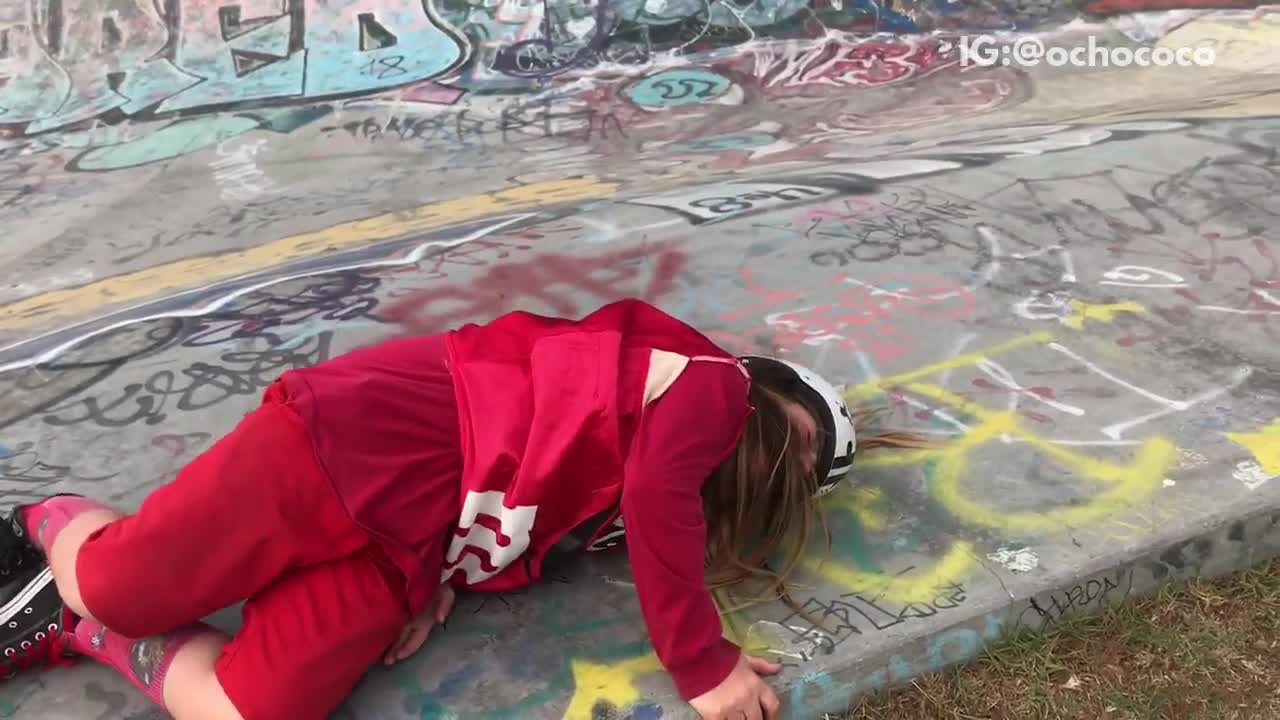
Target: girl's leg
[(191, 688), (174, 664), (253, 507), (68, 520), (306, 641), (314, 634)]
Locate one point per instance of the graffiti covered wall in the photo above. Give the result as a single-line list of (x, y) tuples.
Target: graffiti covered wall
[(67, 62), (1073, 287)]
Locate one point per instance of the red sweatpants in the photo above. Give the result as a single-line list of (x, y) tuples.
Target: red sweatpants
[(254, 518)]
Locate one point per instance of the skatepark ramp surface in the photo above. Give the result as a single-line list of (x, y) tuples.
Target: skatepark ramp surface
[(1046, 233)]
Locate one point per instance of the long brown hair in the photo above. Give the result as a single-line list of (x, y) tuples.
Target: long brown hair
[(760, 503)]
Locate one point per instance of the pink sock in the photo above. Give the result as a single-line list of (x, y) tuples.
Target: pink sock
[(142, 662), (45, 519)]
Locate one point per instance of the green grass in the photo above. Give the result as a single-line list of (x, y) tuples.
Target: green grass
[(1196, 651)]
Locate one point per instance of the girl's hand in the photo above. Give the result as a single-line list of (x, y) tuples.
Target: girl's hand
[(415, 632), (742, 695)]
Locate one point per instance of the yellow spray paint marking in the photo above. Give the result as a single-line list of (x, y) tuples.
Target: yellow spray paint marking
[(1264, 444), (1130, 482), (614, 682), (917, 587), (1081, 311), (1127, 483), (1139, 525), (197, 271), (864, 504), (967, 360)]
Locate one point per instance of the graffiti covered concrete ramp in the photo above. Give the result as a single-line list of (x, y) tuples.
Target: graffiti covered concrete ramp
[(1056, 250)]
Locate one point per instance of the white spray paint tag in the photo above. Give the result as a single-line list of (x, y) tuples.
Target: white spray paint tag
[(1016, 559)]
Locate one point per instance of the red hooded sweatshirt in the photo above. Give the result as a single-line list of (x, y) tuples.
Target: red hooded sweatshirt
[(563, 428)]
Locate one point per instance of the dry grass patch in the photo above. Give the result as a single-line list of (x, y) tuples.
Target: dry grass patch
[(1199, 651)]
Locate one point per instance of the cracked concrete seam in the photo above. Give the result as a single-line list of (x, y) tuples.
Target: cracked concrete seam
[(983, 562)]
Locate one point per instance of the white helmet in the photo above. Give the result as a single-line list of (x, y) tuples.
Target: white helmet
[(828, 406)]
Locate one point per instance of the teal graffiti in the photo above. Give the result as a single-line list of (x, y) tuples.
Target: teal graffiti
[(557, 687), (83, 58), (552, 671), (92, 56), (720, 143), (673, 88), (849, 541), (236, 58), (168, 142), (427, 707), (286, 120), (854, 545), (370, 45), (113, 149), (947, 648), (30, 79)]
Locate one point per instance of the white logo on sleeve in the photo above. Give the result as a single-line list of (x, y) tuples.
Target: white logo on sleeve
[(490, 536)]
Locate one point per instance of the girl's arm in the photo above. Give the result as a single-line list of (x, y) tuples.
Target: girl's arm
[(683, 436)]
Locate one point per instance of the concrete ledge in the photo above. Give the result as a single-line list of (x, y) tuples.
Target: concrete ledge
[(1227, 545)]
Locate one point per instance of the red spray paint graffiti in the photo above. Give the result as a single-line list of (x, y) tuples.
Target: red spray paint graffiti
[(879, 316), (566, 285), (836, 63)]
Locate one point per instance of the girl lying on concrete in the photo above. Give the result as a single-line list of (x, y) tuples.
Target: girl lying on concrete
[(346, 508)]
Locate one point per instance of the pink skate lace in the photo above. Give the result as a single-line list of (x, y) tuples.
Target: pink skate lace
[(49, 650)]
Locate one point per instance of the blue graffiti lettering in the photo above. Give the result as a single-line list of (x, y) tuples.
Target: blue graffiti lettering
[(963, 643), (950, 647), (646, 711), (876, 681), (828, 694), (899, 670)]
